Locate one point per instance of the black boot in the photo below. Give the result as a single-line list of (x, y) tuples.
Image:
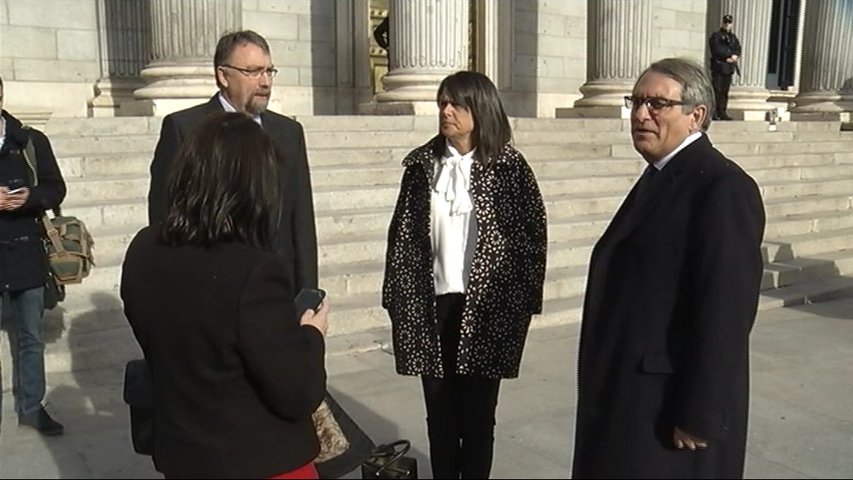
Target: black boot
[(41, 421)]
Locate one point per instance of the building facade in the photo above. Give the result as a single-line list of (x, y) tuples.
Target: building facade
[(549, 58)]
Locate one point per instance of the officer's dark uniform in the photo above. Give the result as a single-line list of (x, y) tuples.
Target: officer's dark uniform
[(722, 45)]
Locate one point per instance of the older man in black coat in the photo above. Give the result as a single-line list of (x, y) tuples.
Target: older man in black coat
[(671, 298), (244, 74)]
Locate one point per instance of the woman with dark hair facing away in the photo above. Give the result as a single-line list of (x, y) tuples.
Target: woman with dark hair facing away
[(464, 270), (236, 375)]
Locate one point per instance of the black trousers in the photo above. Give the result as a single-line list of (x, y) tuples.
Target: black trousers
[(721, 84), (460, 408)]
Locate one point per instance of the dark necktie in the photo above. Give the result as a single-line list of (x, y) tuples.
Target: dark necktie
[(644, 183)]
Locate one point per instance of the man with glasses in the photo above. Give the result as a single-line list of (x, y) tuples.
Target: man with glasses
[(244, 74), (672, 292)]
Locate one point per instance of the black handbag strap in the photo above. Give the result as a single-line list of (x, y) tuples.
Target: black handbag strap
[(392, 447)]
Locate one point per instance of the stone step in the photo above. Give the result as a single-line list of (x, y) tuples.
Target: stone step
[(109, 213), (808, 223), (735, 150), (781, 207), (844, 157), (767, 175), (329, 166), (102, 126), (806, 187), (78, 146), (806, 269), (820, 290), (329, 183), (107, 164), (121, 125), (818, 135), (105, 188), (806, 245)]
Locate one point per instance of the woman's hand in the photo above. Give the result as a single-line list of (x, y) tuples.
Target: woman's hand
[(684, 440), (318, 319)]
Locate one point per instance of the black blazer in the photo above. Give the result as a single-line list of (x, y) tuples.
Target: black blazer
[(296, 238), (671, 298), (235, 377)]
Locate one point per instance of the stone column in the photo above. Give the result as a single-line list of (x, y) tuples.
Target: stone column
[(429, 40), (826, 78), (748, 95), (619, 49), (487, 35), (124, 44), (184, 36)]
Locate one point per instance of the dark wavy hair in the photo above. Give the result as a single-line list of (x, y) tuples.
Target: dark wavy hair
[(224, 186), (478, 94)]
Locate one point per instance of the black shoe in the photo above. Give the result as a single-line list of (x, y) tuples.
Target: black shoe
[(41, 421), (725, 117)]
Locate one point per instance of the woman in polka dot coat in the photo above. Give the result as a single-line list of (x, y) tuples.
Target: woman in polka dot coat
[(464, 271)]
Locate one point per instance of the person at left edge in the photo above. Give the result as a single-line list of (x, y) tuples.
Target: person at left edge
[(244, 74), (23, 266)]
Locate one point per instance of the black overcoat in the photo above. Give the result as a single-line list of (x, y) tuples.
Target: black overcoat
[(235, 377), (507, 271), (671, 298), (23, 262), (296, 238)]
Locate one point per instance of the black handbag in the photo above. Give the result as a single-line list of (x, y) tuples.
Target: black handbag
[(361, 447), (390, 461), (139, 396), (53, 292)]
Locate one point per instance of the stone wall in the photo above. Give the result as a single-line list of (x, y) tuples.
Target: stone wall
[(49, 55), (302, 37), (678, 29), (548, 58)]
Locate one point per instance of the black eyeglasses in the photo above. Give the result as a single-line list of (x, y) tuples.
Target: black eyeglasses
[(652, 103), (254, 73)]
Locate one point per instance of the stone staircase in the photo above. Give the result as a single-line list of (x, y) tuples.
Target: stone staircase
[(585, 168)]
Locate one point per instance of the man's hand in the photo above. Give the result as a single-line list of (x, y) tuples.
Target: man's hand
[(13, 201), (684, 440), (734, 58)]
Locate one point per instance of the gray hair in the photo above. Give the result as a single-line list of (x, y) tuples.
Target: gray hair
[(696, 86)]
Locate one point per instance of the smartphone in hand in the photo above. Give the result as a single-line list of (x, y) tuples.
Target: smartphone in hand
[(309, 298)]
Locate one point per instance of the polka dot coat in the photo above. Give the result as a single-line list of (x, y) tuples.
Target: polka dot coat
[(507, 271)]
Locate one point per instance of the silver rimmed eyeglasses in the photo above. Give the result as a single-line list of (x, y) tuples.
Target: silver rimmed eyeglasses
[(254, 73)]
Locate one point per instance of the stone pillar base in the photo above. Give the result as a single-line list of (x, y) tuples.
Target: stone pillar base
[(593, 112), (398, 108), (157, 107), (110, 94), (842, 116)]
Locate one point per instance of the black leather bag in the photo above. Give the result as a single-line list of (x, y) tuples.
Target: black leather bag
[(139, 396), (53, 292), (390, 461)]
